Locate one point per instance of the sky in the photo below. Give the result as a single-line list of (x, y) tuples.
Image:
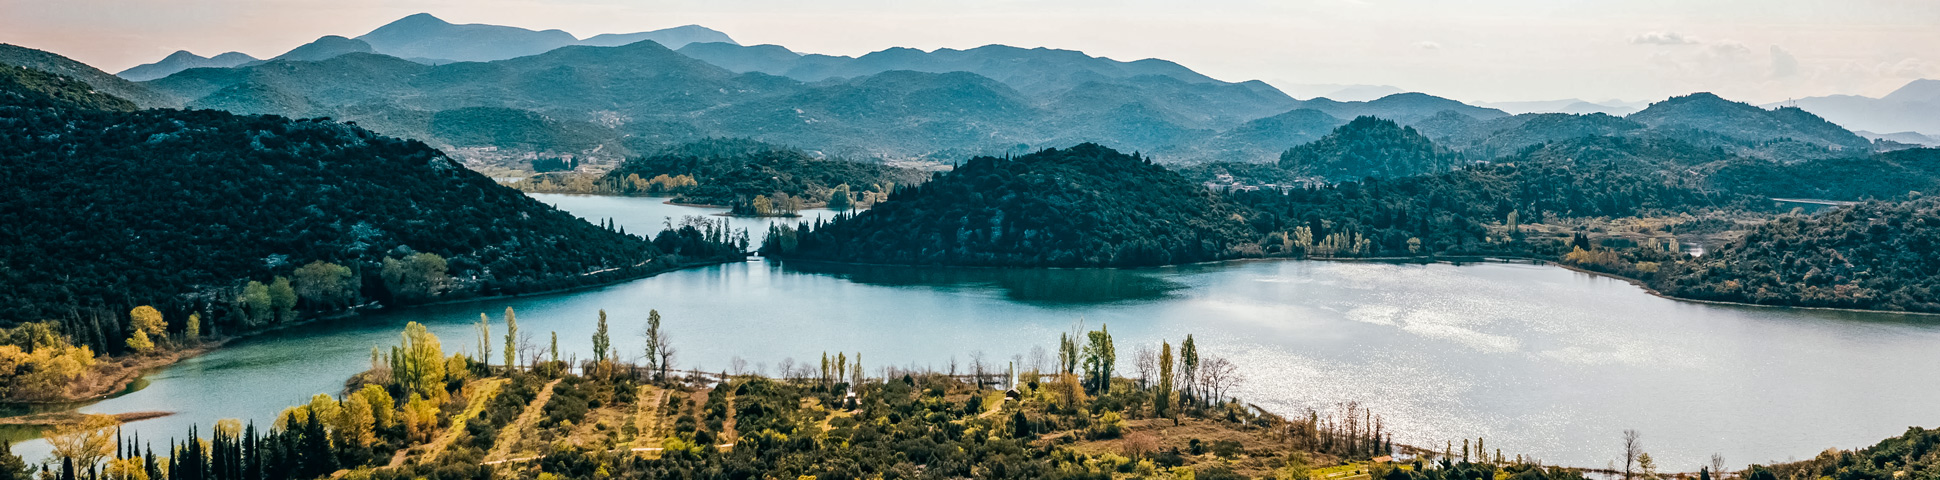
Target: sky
[(1760, 51)]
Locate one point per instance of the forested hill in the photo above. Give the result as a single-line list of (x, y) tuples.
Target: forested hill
[(1369, 147), (1874, 255), (1084, 206), (736, 171), (107, 210)]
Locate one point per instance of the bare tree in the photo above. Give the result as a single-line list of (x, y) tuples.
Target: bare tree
[(1217, 376), (1633, 445), (761, 369), (786, 368), (977, 367), (1717, 465), (1038, 358), (1145, 361), (738, 365), (666, 351)]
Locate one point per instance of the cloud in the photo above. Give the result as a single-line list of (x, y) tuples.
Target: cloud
[(1428, 45), (1784, 65), (1663, 38)]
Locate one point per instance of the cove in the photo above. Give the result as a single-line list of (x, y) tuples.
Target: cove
[(1538, 360)]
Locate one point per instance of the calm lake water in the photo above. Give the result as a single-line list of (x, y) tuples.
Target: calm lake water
[(1538, 360)]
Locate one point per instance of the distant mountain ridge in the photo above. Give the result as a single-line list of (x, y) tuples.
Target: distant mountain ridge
[(112, 85), (183, 60), (1914, 107)]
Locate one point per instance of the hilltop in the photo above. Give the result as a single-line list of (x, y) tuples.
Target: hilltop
[(1369, 147), (1084, 206), (95, 78)]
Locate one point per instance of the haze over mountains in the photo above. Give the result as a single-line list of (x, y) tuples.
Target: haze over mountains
[(427, 39), (1908, 115), (496, 94)]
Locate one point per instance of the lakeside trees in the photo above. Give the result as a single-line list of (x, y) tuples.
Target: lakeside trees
[(742, 173)]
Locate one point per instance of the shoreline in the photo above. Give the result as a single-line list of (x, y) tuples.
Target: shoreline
[(126, 375), (1457, 261)]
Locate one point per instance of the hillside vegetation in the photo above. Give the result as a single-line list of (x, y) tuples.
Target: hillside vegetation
[(1369, 147), (193, 211), (1873, 255), (1084, 206), (735, 172)]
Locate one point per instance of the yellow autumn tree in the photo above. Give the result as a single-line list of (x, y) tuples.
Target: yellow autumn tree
[(139, 342), (148, 319), (356, 423), (420, 418), (86, 441), (383, 408)]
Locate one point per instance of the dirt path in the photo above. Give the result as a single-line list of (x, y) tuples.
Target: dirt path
[(508, 437), (727, 426), (483, 391), (646, 420)]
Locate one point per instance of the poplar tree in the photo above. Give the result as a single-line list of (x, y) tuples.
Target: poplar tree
[(511, 339), (653, 340), (484, 339), (1164, 403), (555, 347), (601, 342), (1189, 363)]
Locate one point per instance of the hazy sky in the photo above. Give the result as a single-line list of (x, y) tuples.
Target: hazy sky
[(1484, 50)]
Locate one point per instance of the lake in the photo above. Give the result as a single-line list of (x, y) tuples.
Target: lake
[(1538, 360)]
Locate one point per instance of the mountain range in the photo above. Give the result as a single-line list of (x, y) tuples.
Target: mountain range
[(183, 60), (422, 77), (1913, 108), (427, 39)]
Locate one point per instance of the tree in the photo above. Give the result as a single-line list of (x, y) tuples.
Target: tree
[(148, 319), (357, 423), (1163, 405), (601, 342), (1100, 358), (1647, 466), (511, 339), (839, 198), (555, 347), (1633, 447), (417, 277), (139, 342), (418, 363), (12, 467), (325, 285), (652, 336), (1189, 366), (761, 205), (1219, 377), (86, 441), (282, 298), (1146, 362), (484, 339), (382, 407), (256, 303), (192, 329)]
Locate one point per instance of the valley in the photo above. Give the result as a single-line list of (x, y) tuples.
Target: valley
[(227, 247)]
